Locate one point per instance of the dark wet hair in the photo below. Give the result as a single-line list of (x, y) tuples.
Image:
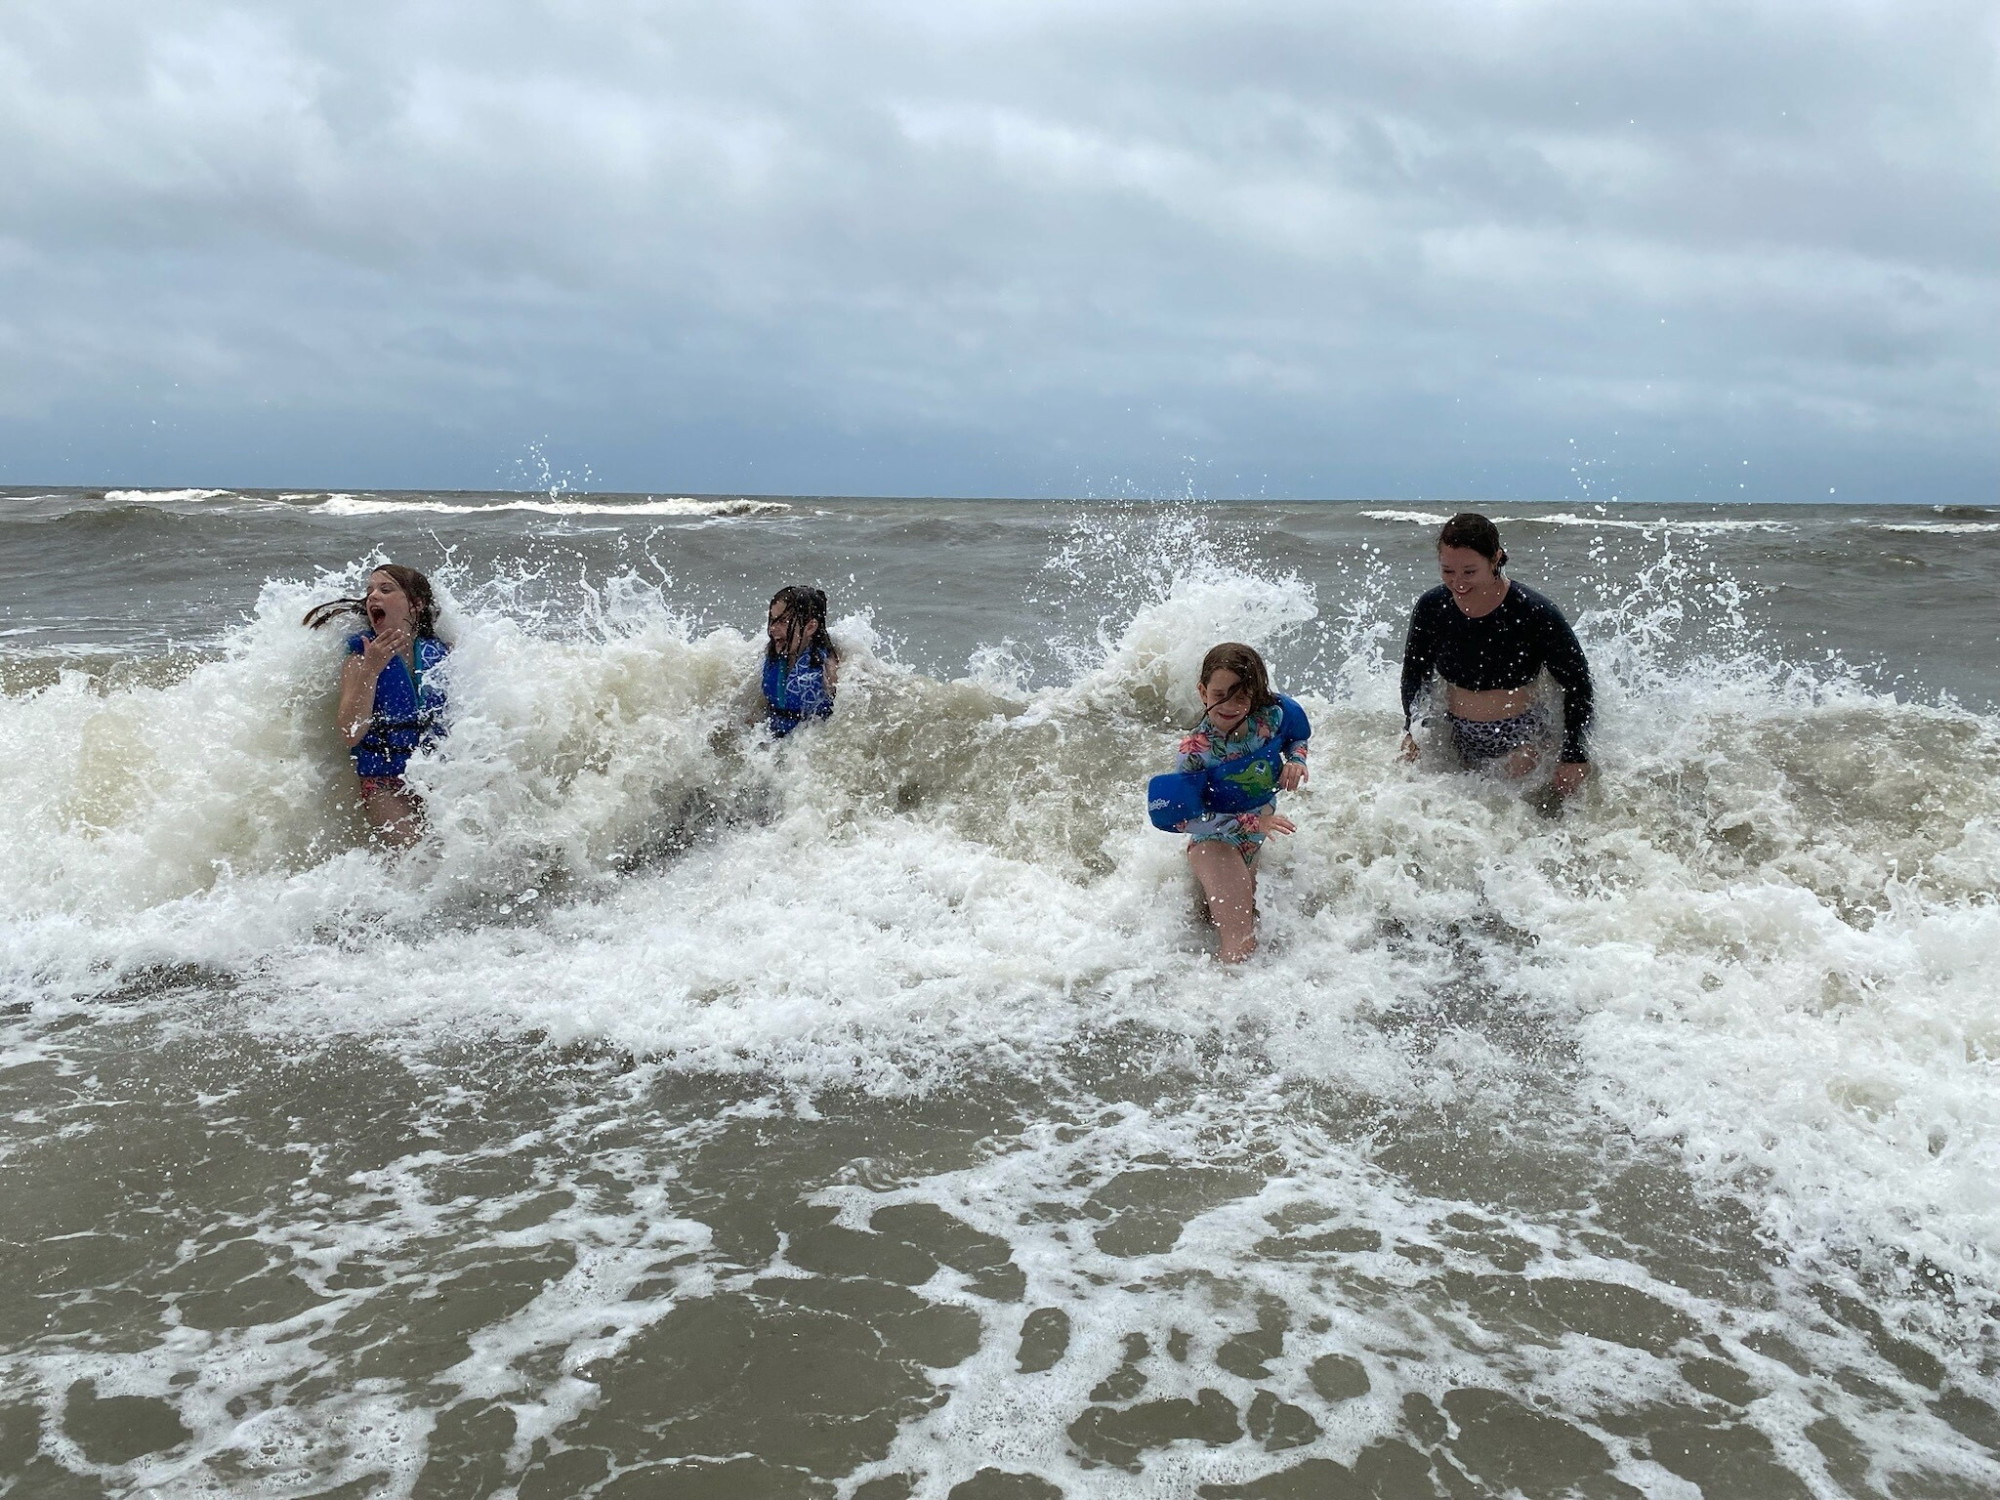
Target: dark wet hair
[(1472, 531), (804, 605), (416, 588), (1234, 656)]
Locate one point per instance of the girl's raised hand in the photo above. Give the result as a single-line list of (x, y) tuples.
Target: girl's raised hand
[(1292, 777), (385, 648)]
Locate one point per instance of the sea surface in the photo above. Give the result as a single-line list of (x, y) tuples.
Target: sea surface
[(865, 1116)]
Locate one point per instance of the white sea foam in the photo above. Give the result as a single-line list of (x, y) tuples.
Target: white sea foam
[(208, 822), (154, 497), (1696, 527), (359, 505), (1941, 528), (1420, 517), (1701, 527)]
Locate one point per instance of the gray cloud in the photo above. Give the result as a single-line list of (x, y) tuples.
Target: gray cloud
[(1310, 249)]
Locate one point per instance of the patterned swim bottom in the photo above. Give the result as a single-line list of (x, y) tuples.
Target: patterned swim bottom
[(1233, 830), (1488, 739), (375, 786)]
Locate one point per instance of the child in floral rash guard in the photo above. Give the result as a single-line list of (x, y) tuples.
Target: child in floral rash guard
[(1207, 748), (1241, 716)]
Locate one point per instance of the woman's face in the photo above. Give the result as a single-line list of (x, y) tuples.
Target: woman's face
[(779, 627), (1226, 699), (388, 606), (1466, 572)]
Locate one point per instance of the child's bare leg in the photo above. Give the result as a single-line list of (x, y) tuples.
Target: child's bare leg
[(1231, 888), (396, 813), (1522, 760)]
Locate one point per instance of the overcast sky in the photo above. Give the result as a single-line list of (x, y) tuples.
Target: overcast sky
[(1495, 250)]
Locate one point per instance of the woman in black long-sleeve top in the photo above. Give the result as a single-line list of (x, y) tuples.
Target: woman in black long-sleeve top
[(1488, 638)]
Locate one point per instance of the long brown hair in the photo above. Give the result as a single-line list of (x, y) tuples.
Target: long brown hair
[(416, 588), (804, 605), (1251, 673)]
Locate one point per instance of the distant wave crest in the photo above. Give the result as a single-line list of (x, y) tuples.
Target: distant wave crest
[(162, 497), (358, 505), (1700, 528), (1421, 517), (1943, 528)]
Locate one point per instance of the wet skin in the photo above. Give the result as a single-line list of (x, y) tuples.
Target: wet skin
[(396, 814), (1227, 880), (1478, 588)]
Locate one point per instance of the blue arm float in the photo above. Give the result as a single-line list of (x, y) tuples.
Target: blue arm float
[(1174, 798)]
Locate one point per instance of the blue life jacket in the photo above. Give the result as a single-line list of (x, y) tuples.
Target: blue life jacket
[(409, 709), (1232, 786), (797, 694)]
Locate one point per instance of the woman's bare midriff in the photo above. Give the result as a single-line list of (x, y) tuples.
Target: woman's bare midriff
[(1491, 705)]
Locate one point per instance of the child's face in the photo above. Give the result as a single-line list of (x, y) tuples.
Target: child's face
[(388, 606), (779, 627), (1226, 699)]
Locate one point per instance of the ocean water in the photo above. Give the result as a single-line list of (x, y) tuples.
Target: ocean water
[(865, 1116)]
